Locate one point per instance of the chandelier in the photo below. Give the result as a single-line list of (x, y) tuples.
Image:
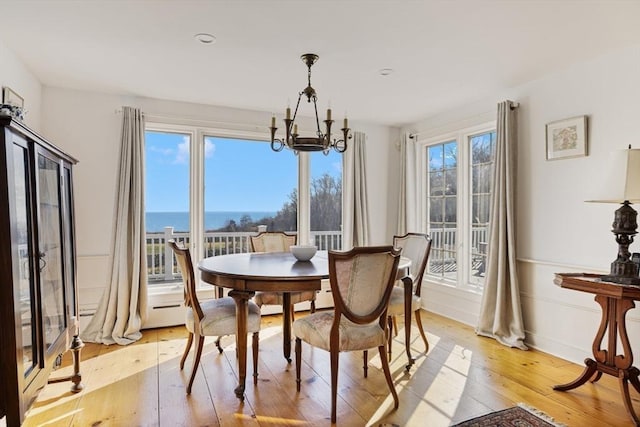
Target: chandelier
[(322, 141)]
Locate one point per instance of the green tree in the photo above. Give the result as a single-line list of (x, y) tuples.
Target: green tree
[(326, 201)]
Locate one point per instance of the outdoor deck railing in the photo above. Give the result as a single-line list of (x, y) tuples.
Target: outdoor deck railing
[(161, 265)]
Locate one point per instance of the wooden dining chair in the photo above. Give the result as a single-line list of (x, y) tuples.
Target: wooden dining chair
[(416, 247), (278, 241), (361, 283), (214, 317)]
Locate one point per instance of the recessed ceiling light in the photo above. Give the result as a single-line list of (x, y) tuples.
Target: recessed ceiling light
[(205, 38), (385, 71)]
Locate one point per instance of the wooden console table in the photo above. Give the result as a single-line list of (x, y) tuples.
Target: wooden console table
[(615, 300)]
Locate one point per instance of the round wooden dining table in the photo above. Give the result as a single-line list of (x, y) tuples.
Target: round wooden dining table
[(247, 273)]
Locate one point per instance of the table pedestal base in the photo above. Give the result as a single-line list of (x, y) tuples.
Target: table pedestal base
[(607, 361)]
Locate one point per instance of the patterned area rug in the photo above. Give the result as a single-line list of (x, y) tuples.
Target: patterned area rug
[(521, 416)]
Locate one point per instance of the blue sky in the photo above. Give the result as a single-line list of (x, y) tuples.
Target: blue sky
[(240, 175)]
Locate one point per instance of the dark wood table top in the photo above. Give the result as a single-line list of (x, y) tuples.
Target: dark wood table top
[(591, 283), (265, 271)]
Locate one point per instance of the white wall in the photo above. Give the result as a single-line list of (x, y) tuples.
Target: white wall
[(556, 230), (14, 74), (86, 124)]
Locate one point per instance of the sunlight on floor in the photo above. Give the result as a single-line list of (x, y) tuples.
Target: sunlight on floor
[(56, 420), (442, 393)]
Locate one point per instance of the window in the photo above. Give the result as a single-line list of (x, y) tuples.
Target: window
[(213, 190), (246, 185), (326, 200), (457, 172), (167, 201)]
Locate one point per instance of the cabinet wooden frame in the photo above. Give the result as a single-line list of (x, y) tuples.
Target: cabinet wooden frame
[(37, 267)]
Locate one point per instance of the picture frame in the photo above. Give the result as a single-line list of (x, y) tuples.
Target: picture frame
[(10, 97), (566, 138)]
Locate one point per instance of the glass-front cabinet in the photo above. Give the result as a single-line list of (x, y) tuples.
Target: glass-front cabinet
[(37, 270)]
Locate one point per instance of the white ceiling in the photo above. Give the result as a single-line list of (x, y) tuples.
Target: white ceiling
[(443, 53)]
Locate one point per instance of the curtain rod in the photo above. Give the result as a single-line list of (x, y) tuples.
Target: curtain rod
[(513, 106), (200, 122)]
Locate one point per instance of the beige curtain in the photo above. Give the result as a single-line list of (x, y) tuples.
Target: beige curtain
[(500, 312), (407, 195), (355, 204), (123, 306)]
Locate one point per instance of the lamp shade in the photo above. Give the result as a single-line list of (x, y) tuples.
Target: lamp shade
[(621, 179)]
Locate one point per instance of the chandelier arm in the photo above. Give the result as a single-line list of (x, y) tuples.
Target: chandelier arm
[(277, 145), (315, 107)]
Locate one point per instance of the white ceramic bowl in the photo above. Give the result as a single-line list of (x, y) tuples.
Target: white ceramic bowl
[(303, 252)]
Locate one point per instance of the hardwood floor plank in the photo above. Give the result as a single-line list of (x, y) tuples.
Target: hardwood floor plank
[(176, 408), (461, 377)]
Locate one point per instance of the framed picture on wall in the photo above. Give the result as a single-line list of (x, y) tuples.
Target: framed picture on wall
[(567, 138), (9, 97)]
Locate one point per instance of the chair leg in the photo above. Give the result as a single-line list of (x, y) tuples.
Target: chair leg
[(390, 320), (395, 326), (255, 344), (196, 361), (186, 350), (424, 337), (298, 362), (313, 306), (365, 367), (387, 375), (334, 383), (218, 345)]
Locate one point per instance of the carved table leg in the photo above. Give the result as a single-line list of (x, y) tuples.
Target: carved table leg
[(242, 313), (607, 360), (408, 296), (624, 390), (588, 373), (286, 326)]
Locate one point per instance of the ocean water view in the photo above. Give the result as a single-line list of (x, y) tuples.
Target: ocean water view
[(157, 221)]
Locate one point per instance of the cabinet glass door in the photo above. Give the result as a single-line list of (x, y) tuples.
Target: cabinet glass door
[(23, 265), (50, 245)]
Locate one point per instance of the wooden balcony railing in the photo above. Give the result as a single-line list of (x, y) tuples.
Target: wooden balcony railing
[(162, 267)]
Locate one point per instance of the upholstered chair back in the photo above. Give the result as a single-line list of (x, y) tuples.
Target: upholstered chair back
[(416, 247), (272, 241)]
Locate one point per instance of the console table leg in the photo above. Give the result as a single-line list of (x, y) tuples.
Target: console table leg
[(624, 390), (633, 378), (587, 374)]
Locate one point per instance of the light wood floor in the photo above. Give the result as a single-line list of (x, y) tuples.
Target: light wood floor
[(462, 376)]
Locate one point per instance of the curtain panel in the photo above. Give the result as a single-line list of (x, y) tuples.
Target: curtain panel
[(407, 195), (122, 308), (500, 311), (355, 201)]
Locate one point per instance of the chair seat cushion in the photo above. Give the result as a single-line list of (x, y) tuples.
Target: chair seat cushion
[(220, 317), (396, 302), (276, 298), (315, 329)]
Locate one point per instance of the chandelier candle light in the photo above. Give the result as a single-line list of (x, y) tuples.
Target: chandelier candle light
[(622, 185), (322, 141)]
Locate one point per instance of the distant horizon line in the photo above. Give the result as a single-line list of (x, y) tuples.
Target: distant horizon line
[(266, 210)]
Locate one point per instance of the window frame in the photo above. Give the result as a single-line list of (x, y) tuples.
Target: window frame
[(464, 200), (196, 175)]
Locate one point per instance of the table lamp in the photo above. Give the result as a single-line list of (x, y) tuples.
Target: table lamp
[(622, 185)]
